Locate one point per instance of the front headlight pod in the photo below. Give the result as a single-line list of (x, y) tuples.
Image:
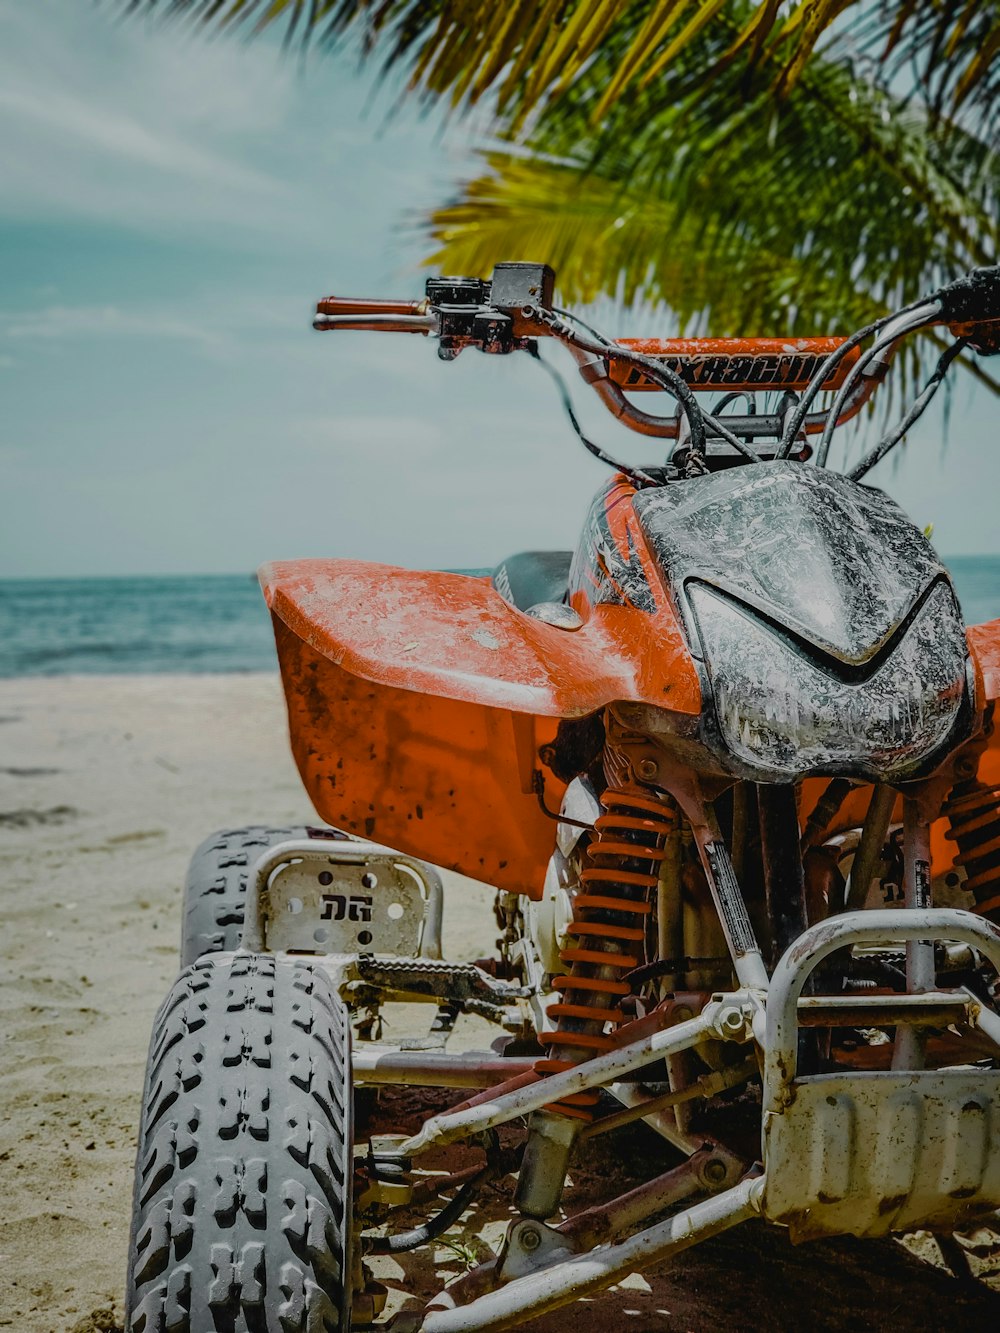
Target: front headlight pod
[(784, 711)]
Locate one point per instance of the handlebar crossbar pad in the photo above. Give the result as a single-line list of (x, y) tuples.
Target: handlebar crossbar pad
[(735, 364)]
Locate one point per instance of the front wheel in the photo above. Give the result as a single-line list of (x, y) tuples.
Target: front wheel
[(242, 1204)]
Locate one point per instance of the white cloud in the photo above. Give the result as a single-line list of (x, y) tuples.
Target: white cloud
[(59, 321), (81, 127), (220, 325), (135, 124), (152, 127)]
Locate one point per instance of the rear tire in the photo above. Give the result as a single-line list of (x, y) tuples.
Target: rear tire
[(242, 1205), (216, 887)]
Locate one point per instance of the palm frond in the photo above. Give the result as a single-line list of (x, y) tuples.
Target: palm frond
[(527, 51), (809, 215), (949, 52), (835, 149), (604, 240)]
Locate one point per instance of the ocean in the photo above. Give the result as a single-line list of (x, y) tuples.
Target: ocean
[(213, 623)]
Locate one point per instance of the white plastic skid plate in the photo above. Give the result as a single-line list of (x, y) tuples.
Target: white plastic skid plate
[(868, 1153)]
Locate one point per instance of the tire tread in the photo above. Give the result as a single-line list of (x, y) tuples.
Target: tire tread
[(241, 1204), (216, 886)]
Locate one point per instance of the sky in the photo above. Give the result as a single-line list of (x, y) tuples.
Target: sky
[(171, 206)]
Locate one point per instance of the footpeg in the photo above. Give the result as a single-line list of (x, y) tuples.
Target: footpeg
[(462, 984)]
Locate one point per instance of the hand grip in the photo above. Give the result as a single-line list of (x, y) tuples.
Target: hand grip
[(363, 305)]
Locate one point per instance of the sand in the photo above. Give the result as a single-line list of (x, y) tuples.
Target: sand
[(106, 785)]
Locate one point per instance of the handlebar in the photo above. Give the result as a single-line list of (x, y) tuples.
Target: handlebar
[(514, 308), (735, 364)]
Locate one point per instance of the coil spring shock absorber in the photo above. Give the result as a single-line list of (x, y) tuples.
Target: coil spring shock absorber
[(609, 927), (973, 811)]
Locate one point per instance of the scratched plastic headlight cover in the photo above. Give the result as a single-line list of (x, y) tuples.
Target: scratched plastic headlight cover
[(785, 712)]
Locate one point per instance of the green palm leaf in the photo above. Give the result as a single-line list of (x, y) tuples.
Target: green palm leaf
[(809, 215), (880, 196), (717, 273), (527, 50), (755, 164)]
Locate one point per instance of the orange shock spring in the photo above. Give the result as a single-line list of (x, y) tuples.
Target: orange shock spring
[(973, 812), (609, 927)]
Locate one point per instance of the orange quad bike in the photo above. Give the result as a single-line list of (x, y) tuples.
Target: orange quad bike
[(731, 769)]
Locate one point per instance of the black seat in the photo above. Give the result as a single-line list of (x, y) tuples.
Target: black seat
[(531, 577)]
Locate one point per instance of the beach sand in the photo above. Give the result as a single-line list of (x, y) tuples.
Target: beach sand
[(106, 786)]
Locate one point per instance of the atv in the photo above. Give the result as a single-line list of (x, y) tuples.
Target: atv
[(729, 766)]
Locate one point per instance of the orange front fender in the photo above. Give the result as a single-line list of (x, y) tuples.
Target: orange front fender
[(417, 703), (454, 636)]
